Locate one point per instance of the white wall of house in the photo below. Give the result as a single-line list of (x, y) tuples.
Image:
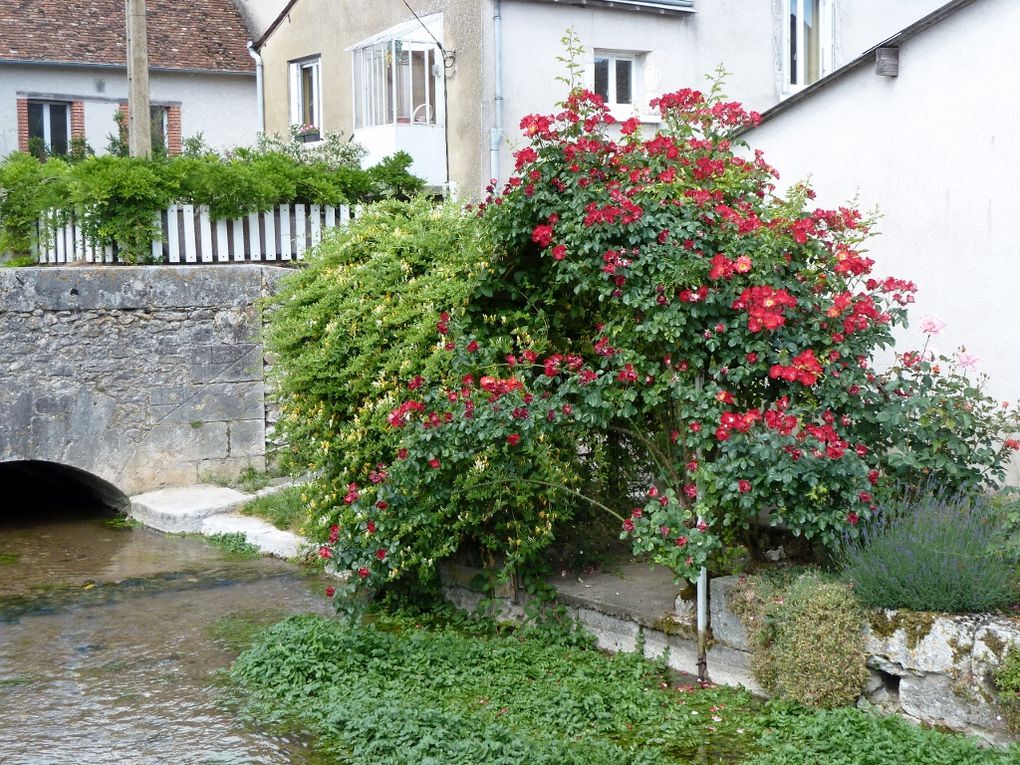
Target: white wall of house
[(220, 106), (936, 150), (259, 14)]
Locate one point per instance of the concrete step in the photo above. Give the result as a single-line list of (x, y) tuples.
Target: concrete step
[(265, 536)]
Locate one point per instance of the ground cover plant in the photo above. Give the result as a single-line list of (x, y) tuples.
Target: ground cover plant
[(403, 689), (285, 509), (656, 292)]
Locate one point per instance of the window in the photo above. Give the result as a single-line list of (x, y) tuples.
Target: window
[(396, 81), (306, 96), (49, 126), (809, 33), (616, 78)]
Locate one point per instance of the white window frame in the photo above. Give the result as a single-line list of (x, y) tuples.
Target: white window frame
[(637, 75), (297, 68), (47, 135), (826, 43)]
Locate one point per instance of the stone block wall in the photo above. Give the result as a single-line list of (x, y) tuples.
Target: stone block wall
[(933, 668), (146, 376)]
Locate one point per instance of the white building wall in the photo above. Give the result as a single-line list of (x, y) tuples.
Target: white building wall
[(220, 106), (936, 150)]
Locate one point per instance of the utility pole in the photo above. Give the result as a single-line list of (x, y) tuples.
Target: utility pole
[(139, 120)]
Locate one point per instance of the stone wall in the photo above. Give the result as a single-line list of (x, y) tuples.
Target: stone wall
[(146, 376), (933, 668)]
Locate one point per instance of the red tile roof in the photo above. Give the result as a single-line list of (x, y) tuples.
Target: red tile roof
[(183, 34)]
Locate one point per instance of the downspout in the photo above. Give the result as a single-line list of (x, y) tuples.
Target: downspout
[(496, 134), (260, 97)]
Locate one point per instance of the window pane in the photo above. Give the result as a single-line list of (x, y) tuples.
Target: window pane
[(403, 85), (358, 72), (308, 95), (58, 129), (157, 118), (602, 76), (812, 40), (793, 41), (624, 71), (433, 85), (36, 128), (419, 102)]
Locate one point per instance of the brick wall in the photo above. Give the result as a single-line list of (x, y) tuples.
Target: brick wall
[(77, 119), (23, 124), (173, 130)]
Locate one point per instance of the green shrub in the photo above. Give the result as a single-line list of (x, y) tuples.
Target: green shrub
[(27, 188), (1007, 682), (806, 639), (235, 543), (933, 552)]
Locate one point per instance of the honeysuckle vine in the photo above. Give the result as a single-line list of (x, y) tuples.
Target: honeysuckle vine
[(662, 293)]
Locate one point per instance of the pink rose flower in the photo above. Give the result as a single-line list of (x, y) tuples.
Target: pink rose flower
[(931, 325)]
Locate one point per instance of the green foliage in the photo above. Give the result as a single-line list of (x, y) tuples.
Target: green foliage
[(117, 196), (27, 188), (806, 639), (285, 509), (852, 737), (428, 688), (1007, 682), (933, 551), (235, 543)]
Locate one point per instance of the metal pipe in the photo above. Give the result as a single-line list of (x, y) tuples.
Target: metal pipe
[(260, 95), (496, 134)]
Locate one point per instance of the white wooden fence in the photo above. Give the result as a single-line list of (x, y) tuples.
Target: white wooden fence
[(189, 235)]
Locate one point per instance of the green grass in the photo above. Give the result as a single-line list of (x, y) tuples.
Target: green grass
[(284, 509), (396, 692), (235, 543), (8, 559)]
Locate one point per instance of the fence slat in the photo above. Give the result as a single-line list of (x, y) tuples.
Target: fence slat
[(51, 237), (157, 241), (205, 232), (108, 254), (79, 239), (316, 214), (300, 243), (254, 238), (237, 227), (172, 237), (330, 216), (222, 251), (190, 251), (61, 244), (270, 217), (345, 215), (285, 238)]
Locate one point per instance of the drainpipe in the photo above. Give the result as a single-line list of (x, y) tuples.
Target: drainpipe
[(260, 96), (496, 134)]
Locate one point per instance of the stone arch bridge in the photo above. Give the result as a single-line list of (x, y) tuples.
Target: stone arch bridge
[(131, 378)]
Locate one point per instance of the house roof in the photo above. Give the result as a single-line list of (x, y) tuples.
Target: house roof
[(939, 14), (276, 23), (207, 35)]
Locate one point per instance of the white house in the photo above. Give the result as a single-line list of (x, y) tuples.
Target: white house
[(933, 144), (63, 74)]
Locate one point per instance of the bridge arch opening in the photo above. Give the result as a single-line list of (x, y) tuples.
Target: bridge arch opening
[(33, 486)]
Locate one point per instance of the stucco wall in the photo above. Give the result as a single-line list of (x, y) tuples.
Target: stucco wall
[(935, 150), (144, 376), (326, 28), (220, 106)]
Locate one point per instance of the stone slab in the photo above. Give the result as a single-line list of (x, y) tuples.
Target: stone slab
[(265, 536), (632, 590), (184, 509), (726, 625)]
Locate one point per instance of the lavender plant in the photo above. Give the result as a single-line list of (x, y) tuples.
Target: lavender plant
[(932, 551)]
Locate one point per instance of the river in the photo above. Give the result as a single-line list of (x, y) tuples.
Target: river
[(114, 640)]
